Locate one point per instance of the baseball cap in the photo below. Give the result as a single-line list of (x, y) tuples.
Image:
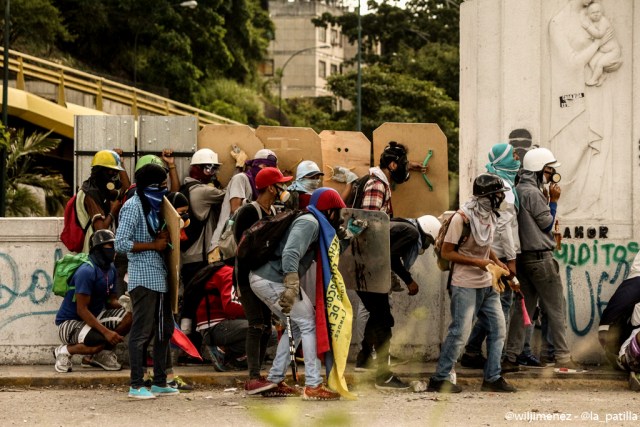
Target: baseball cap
[(270, 176)]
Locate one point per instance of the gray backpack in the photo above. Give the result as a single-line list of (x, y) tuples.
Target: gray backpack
[(227, 244)]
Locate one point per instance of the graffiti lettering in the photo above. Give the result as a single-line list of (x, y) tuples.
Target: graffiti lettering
[(593, 253), (38, 291), (578, 232)]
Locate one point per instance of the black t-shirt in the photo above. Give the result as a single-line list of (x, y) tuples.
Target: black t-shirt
[(247, 216), (620, 308), (402, 235)]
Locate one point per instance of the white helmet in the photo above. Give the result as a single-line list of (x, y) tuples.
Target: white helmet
[(265, 153), (430, 225), (537, 158), (205, 156)]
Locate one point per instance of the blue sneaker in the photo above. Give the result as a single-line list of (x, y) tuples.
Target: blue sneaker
[(163, 391), (217, 357), (140, 393)]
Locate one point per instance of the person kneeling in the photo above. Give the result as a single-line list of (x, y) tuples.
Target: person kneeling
[(90, 320)]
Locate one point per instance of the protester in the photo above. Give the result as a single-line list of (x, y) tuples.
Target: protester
[(504, 162), (472, 293), (308, 179), (538, 271), (277, 284), (141, 237), (90, 319), (269, 184)]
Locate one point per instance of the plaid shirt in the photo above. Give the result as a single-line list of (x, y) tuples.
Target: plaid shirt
[(377, 196), (146, 268)]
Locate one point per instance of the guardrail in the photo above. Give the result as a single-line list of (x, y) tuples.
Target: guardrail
[(31, 68)]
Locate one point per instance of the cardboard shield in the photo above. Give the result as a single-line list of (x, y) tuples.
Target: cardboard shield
[(291, 145), (366, 264), (425, 142), (172, 260), (222, 139), (342, 148)]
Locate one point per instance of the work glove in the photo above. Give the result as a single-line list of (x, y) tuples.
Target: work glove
[(125, 302), (239, 155), (291, 290), (514, 284), (356, 226), (496, 273), (343, 174)]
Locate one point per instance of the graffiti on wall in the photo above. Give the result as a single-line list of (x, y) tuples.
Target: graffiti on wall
[(37, 290), (604, 266)]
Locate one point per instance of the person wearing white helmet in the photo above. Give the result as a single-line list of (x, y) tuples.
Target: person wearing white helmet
[(241, 188), (308, 178), (204, 204), (538, 271)]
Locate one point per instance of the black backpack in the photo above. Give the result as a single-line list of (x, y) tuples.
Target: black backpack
[(259, 242), (354, 200), (195, 228)]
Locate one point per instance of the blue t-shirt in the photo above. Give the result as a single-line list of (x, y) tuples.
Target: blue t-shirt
[(92, 281)]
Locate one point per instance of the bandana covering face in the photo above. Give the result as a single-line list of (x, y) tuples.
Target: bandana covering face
[(502, 163), (154, 194), (305, 185), (253, 167), (481, 218)]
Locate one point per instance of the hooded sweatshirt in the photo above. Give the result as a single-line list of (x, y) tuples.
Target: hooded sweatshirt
[(535, 215)]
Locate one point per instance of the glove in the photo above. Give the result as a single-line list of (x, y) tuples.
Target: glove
[(239, 155), (514, 284), (125, 302), (343, 174), (356, 226), (497, 272), (291, 290)]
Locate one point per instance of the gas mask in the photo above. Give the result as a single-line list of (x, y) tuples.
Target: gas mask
[(282, 194), (401, 173)]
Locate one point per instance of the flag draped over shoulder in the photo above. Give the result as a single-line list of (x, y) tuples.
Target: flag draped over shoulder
[(334, 315)]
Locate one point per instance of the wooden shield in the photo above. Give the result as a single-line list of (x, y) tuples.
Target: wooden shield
[(414, 198), (291, 145), (222, 138), (366, 264), (343, 148), (172, 260)]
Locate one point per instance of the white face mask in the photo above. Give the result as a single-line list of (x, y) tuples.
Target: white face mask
[(503, 205), (310, 184)]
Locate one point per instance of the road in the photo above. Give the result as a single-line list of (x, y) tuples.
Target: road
[(229, 407)]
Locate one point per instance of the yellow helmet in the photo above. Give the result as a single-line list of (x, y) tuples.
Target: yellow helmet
[(107, 159)]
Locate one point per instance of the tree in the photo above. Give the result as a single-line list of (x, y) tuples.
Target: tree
[(24, 180)]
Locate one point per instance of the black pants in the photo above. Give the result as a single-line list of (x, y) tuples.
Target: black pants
[(152, 318), (377, 332), (259, 331), (192, 296)]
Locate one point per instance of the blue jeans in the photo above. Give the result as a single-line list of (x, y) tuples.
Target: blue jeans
[(466, 303), (303, 323), (481, 328)]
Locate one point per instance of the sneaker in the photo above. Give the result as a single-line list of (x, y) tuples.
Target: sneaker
[(568, 367), (282, 390), (140, 393), (529, 361), (63, 361), (217, 357), (163, 391), (443, 386), (634, 381), (87, 362), (180, 384), (500, 385), (473, 361), (547, 360), (107, 360), (508, 366), (391, 383), (319, 392), (258, 385)]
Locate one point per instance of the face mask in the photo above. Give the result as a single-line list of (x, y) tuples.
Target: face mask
[(309, 184), (497, 201), (335, 219), (104, 256), (184, 220), (401, 173)]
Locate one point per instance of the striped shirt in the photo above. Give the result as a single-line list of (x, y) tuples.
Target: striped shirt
[(146, 268)]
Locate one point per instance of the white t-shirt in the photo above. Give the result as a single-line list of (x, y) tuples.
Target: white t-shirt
[(239, 187)]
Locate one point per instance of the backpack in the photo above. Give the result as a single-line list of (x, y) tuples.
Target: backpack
[(227, 243), (354, 200), (196, 226), (444, 264), (73, 232), (259, 242), (64, 270)]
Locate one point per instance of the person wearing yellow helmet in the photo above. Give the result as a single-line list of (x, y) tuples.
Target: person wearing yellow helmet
[(98, 201)]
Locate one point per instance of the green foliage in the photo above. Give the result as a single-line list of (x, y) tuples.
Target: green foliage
[(36, 25), (230, 99), (22, 174)]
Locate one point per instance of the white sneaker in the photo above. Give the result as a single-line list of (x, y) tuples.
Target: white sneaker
[(107, 360), (63, 361)]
